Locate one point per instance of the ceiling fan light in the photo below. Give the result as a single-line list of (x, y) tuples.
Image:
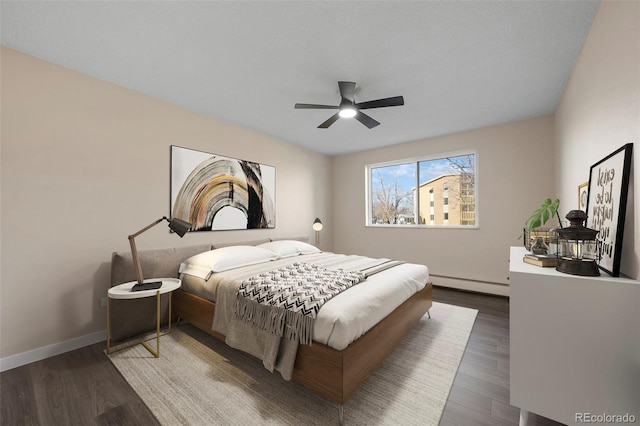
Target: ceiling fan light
[(347, 112)]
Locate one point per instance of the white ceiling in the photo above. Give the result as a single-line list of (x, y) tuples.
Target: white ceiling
[(459, 65)]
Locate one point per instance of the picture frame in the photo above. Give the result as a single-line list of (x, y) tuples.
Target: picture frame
[(216, 193), (583, 194), (607, 205)]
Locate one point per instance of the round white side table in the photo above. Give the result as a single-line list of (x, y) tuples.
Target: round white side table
[(123, 291)]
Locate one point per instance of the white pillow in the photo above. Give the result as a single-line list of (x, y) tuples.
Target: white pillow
[(282, 248), (305, 248), (223, 259), (290, 246)]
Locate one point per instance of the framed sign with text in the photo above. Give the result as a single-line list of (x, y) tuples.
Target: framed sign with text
[(607, 205)]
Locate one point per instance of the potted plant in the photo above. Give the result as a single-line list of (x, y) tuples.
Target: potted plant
[(539, 217), (542, 214)]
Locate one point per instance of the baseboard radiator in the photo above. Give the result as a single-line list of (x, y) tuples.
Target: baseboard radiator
[(470, 285)]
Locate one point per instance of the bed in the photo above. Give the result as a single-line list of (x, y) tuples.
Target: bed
[(332, 369)]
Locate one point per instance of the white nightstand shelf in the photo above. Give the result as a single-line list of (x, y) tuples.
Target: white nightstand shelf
[(123, 291)]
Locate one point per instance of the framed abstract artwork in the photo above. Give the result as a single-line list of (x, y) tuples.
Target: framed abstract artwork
[(216, 193), (583, 193), (607, 205)]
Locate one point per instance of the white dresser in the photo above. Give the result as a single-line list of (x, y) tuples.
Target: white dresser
[(574, 344)]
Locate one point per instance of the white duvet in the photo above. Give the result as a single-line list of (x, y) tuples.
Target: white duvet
[(348, 315)]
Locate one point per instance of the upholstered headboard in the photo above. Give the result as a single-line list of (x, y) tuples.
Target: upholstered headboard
[(156, 263), (133, 317)]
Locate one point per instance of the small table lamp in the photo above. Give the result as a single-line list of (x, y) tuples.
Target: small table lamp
[(317, 226), (178, 226)]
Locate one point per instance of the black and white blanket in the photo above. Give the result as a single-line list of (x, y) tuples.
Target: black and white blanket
[(285, 301), (276, 351)]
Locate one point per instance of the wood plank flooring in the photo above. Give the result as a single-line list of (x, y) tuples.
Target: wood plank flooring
[(480, 392), (82, 387)]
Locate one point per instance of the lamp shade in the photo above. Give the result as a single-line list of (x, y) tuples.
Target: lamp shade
[(317, 225), (180, 227)]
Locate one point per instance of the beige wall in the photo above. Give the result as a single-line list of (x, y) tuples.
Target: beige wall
[(600, 112), (84, 164), (515, 173)]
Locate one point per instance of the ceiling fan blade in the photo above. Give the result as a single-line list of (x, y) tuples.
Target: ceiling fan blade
[(380, 103), (347, 89), (366, 120), (330, 121), (314, 106)]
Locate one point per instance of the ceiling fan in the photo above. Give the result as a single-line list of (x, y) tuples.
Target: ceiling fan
[(349, 108)]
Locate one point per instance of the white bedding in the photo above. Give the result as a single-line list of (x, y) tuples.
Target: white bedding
[(348, 315), (352, 313)]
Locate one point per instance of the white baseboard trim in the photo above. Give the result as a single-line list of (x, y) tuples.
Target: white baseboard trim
[(18, 360), (470, 285)]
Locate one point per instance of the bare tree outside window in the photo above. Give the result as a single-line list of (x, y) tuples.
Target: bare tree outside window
[(392, 198), (465, 166), (433, 191)]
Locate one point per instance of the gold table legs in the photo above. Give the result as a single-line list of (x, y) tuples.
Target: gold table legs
[(154, 351)]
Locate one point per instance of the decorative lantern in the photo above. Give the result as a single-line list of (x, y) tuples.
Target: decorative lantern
[(577, 247)]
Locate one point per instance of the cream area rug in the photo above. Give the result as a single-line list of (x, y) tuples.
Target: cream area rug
[(198, 380)]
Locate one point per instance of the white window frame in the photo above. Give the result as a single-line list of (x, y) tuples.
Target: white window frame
[(368, 201)]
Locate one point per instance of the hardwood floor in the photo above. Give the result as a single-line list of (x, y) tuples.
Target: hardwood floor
[(82, 387), (480, 392)]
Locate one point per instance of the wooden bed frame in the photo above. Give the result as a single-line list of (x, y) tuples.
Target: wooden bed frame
[(333, 374)]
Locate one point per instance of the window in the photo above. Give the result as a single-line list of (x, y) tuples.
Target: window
[(436, 191)]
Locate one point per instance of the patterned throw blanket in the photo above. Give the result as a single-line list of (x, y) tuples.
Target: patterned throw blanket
[(286, 301)]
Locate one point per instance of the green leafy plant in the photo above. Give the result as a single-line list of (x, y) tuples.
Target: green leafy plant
[(542, 214)]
